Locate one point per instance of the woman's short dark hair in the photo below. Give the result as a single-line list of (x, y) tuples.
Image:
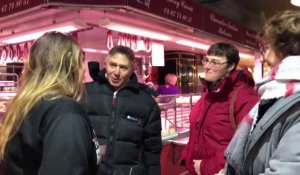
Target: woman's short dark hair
[(227, 50)]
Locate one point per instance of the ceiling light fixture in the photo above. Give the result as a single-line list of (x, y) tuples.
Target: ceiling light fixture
[(205, 47), (64, 27), (91, 50), (295, 2), (193, 44), (134, 30), (245, 55)]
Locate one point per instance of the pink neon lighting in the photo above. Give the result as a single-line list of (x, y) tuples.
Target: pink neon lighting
[(193, 44), (35, 35)]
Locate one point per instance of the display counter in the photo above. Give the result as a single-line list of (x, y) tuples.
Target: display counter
[(173, 145), (8, 90), (175, 110)]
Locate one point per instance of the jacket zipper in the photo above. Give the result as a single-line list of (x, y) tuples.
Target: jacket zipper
[(114, 99), (110, 139), (200, 130), (130, 171)]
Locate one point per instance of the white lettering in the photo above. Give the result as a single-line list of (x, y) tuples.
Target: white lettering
[(251, 43), (14, 4), (187, 7), (176, 3), (177, 15), (223, 23), (19, 3), (216, 20), (232, 27), (250, 35), (145, 2), (223, 32), (4, 8)]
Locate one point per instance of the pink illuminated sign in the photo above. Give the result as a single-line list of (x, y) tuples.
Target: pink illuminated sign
[(249, 38), (218, 25), (96, 2), (8, 7), (184, 12), (12, 6)]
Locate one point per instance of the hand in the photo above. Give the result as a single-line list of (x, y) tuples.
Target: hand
[(221, 172), (197, 164)]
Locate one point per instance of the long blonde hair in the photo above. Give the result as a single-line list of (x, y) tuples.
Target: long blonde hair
[(54, 69)]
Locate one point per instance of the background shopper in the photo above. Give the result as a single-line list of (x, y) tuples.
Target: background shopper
[(169, 88), (267, 140), (45, 131), (210, 126), (125, 116)]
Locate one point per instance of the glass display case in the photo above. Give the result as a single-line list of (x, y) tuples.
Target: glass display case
[(175, 110), (8, 89)]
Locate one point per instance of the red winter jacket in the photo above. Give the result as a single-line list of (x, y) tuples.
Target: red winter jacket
[(210, 126)]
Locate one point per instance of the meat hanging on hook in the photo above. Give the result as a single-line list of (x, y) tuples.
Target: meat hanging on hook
[(109, 40), (4, 54), (25, 51), (11, 53), (18, 52)]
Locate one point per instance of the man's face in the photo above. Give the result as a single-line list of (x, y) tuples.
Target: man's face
[(119, 69)]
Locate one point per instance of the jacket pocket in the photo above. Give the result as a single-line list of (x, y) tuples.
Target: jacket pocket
[(130, 129)]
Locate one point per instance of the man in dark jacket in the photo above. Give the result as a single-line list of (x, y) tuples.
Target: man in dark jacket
[(125, 117)]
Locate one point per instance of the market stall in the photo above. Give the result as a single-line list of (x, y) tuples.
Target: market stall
[(164, 34)]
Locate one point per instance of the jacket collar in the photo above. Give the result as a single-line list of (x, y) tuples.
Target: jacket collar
[(236, 78), (276, 111)]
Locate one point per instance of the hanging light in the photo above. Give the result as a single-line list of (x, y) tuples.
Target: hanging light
[(295, 2)]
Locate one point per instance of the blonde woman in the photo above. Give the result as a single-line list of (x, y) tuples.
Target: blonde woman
[(45, 131)]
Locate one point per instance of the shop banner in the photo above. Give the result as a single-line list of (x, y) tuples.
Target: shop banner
[(93, 2), (181, 11), (8, 7), (218, 25), (249, 38)]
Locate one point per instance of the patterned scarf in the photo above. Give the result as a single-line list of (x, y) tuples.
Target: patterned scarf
[(283, 80)]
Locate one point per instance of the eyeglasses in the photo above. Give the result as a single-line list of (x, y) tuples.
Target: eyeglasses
[(263, 47), (213, 63)]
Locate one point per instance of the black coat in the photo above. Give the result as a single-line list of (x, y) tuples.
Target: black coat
[(129, 125), (54, 139)]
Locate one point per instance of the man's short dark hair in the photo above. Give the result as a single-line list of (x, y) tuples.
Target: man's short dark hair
[(122, 50)]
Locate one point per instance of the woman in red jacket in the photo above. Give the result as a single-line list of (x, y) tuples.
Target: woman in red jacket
[(210, 125)]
